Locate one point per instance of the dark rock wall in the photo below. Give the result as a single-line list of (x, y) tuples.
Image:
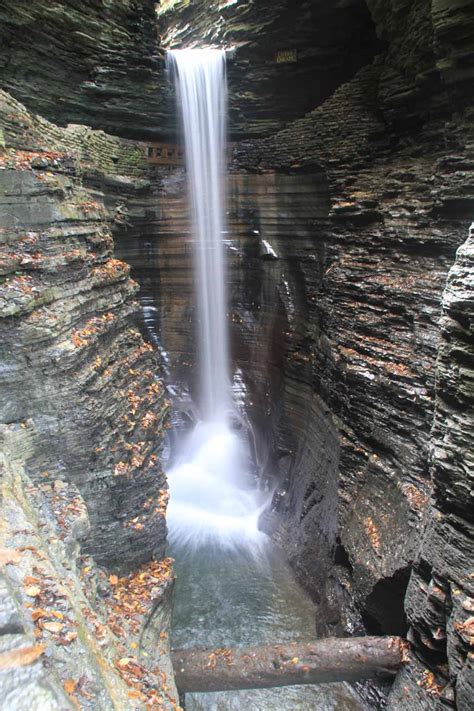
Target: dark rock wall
[(398, 163), (337, 336), (80, 394), (440, 596), (343, 227), (94, 62)]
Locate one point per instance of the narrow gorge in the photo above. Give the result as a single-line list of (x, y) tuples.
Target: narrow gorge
[(347, 235)]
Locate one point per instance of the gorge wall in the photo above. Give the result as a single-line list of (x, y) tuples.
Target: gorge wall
[(94, 62), (83, 418), (398, 164), (344, 224)]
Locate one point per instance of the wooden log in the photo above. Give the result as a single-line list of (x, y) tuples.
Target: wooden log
[(326, 660)]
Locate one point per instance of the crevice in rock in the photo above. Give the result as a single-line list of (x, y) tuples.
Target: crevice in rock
[(383, 611)]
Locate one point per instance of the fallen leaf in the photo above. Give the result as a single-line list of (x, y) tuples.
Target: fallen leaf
[(57, 615), (134, 694), (30, 580), (34, 550), (124, 661), (9, 555), (33, 590), (70, 686), (53, 626), (113, 580), (21, 657), (38, 613), (66, 640)]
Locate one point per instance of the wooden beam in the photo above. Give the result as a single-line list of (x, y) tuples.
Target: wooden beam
[(326, 660)]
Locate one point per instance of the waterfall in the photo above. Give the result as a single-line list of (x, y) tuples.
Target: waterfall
[(211, 500), (201, 84)]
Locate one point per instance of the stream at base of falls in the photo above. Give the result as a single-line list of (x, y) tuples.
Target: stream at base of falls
[(226, 598)]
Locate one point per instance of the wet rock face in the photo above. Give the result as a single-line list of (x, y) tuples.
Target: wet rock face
[(83, 415), (95, 63), (64, 640), (81, 399), (372, 323), (440, 596), (400, 198), (429, 56)]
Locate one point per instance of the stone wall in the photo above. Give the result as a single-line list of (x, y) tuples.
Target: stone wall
[(83, 417), (67, 305), (345, 225), (395, 144), (91, 62), (440, 596)]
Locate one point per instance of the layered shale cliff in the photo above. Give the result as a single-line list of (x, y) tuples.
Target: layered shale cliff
[(94, 62), (440, 596), (83, 418)]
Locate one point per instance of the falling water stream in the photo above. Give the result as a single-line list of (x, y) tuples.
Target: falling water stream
[(232, 587), (211, 496)]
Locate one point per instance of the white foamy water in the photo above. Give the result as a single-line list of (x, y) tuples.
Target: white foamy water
[(211, 498), (209, 503)]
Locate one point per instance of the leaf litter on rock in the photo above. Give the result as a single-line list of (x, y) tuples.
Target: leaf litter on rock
[(21, 657), (9, 556)]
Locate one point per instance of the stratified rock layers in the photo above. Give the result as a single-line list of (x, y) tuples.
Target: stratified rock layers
[(81, 400), (342, 300), (440, 596), (88, 61), (83, 416), (344, 226)]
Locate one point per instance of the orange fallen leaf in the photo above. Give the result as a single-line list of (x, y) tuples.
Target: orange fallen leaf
[(113, 580), (34, 550), (21, 657), (134, 694), (70, 686), (38, 613), (9, 555), (30, 580), (57, 615)]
